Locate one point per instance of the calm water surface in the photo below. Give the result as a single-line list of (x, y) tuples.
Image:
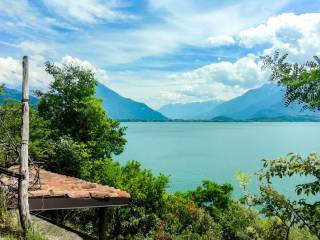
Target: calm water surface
[(191, 152)]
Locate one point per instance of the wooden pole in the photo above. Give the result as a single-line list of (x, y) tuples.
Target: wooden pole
[(24, 212), (102, 224)]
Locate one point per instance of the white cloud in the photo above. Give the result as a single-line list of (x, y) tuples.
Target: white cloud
[(88, 11), (11, 74), (21, 19), (11, 70), (33, 47), (172, 26), (101, 74), (182, 23), (223, 40), (222, 80), (244, 72), (296, 34)]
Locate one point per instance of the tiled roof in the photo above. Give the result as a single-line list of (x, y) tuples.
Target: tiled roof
[(48, 184)]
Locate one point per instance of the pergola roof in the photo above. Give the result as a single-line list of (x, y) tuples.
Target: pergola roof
[(48, 191)]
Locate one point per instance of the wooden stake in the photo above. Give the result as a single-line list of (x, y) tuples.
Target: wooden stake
[(24, 212)]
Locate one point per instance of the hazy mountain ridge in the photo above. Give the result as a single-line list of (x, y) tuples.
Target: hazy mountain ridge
[(263, 103), (10, 94), (118, 107), (188, 111)]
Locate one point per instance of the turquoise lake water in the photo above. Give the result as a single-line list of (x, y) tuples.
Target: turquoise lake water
[(194, 151)]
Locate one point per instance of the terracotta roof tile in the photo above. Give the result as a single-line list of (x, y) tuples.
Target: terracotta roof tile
[(49, 184)]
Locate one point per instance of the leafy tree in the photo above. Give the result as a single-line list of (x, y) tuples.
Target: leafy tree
[(73, 111), (301, 81), (302, 85), (10, 127), (152, 213), (302, 212), (212, 196), (147, 195)]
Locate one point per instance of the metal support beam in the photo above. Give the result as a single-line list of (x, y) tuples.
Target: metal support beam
[(51, 203), (102, 224)]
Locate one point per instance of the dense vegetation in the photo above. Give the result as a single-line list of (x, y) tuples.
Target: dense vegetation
[(71, 134)]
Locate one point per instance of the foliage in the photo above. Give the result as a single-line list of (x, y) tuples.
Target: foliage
[(300, 212), (212, 197), (301, 81), (152, 213), (302, 85), (73, 111), (9, 227), (71, 133), (10, 122), (67, 156)]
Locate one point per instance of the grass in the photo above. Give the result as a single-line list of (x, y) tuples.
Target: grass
[(9, 225)]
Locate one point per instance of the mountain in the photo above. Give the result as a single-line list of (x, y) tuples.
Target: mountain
[(9, 94), (265, 102), (188, 111), (261, 104), (122, 108), (118, 107)]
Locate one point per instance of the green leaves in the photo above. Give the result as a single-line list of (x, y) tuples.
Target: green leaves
[(301, 81), (73, 111), (302, 212)]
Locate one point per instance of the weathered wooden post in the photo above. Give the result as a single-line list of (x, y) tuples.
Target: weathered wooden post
[(24, 212)]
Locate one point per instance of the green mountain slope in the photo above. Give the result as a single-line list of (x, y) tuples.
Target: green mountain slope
[(122, 108), (118, 107)]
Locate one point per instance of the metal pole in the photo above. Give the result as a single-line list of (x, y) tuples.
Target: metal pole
[(102, 224)]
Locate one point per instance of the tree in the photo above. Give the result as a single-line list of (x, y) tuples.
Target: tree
[(303, 212), (301, 81), (211, 196), (73, 111), (302, 85), (40, 147)]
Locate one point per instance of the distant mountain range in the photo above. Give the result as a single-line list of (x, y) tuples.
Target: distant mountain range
[(118, 107), (13, 94), (263, 104), (188, 111)]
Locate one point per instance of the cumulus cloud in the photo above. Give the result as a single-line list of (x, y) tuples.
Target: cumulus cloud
[(222, 80), (88, 11), (296, 34), (11, 72), (101, 74), (33, 47), (223, 40)]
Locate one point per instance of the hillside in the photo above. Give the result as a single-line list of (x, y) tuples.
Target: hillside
[(9, 94), (265, 102), (261, 104), (118, 107), (122, 108)]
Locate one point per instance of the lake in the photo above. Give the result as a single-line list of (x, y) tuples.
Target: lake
[(194, 151)]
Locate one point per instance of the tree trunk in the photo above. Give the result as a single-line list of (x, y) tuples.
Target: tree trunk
[(24, 212)]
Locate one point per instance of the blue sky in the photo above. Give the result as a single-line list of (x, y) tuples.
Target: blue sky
[(158, 51)]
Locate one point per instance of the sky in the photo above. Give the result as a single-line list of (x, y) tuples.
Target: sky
[(157, 51)]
